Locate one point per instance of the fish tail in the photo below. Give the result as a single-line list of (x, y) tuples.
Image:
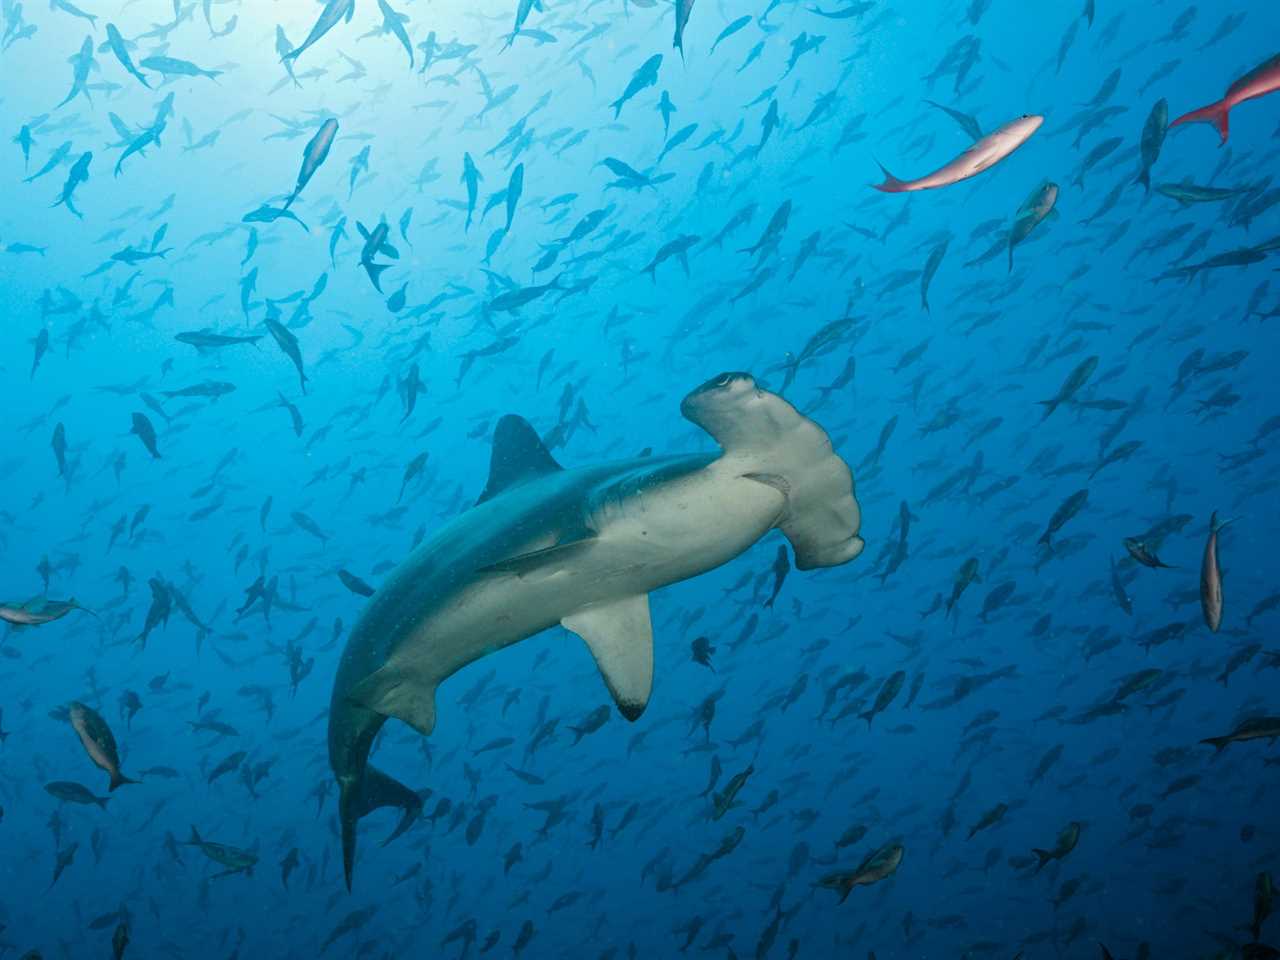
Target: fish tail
[(1144, 178), (891, 183), (356, 799), (375, 271), (1216, 114), (1215, 526), (1043, 856), (118, 779), (1219, 743)]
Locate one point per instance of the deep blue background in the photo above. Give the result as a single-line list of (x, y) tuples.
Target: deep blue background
[(1181, 879)]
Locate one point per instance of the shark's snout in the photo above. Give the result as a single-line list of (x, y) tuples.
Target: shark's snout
[(732, 381), (716, 395)]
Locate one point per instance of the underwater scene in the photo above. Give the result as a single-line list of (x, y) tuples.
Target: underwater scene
[(609, 479)]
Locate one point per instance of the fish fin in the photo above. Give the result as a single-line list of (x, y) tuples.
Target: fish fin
[(392, 692), (524, 564), (891, 183), (772, 439), (1217, 114), (118, 779), (619, 635), (359, 798), (381, 790), (375, 271), (519, 455), (778, 483)]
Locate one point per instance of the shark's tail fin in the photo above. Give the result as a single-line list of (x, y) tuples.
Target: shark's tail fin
[(1219, 743), (775, 444), (357, 799)]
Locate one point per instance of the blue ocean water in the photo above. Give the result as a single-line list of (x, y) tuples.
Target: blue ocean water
[(997, 672)]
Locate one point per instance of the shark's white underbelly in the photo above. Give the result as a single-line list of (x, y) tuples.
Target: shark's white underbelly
[(657, 537)]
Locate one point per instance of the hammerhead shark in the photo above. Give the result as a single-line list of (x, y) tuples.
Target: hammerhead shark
[(581, 548)]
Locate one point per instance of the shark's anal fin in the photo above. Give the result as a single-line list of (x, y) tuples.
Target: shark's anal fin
[(619, 635), (393, 693), (519, 455)]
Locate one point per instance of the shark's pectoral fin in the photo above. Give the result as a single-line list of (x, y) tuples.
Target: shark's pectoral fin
[(393, 693), (778, 482), (519, 455), (619, 635), (546, 559)]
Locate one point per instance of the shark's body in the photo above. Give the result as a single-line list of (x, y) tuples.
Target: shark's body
[(581, 548)]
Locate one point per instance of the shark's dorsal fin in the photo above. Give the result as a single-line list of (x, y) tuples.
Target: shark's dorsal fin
[(619, 635), (519, 455)]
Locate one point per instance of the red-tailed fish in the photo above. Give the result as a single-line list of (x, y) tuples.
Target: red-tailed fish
[(1258, 82)]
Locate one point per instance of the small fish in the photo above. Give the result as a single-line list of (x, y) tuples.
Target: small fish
[(202, 340), (71, 792), (355, 584), (333, 12), (98, 742), (145, 431), (1257, 728), (79, 174), (781, 567), (1066, 510), (120, 48), (313, 156), (1143, 554), (1211, 576), (880, 865), (983, 155), (646, 75), (1153, 134)]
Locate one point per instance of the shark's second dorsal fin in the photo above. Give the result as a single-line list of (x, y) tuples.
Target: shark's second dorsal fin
[(519, 455), (619, 634)]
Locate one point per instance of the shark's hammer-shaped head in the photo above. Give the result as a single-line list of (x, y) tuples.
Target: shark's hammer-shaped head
[(767, 439)]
